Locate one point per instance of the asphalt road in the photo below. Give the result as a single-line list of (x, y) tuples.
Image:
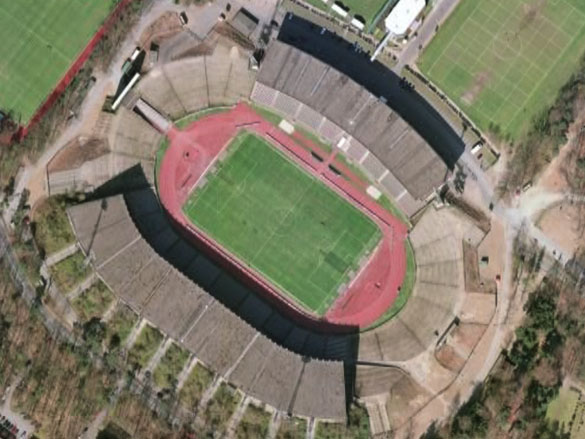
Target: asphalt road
[(425, 33)]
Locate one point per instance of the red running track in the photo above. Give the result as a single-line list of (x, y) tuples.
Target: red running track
[(74, 68), (193, 150)]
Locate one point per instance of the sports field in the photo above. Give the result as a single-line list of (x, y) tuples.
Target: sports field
[(503, 61), (287, 225), (40, 41)]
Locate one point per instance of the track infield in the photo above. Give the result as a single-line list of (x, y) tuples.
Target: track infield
[(282, 222), (40, 41), (503, 61)]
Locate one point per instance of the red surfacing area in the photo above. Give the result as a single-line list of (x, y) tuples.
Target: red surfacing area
[(74, 68), (193, 151)]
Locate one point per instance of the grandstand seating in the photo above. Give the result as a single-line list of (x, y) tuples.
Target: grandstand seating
[(374, 380), (161, 293), (351, 108), (436, 240)]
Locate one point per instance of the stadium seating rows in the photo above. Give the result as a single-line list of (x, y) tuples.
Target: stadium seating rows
[(217, 336)]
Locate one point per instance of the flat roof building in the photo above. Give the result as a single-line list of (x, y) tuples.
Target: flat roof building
[(403, 15)]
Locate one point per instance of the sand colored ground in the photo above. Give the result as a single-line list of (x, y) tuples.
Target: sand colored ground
[(561, 224), (493, 246)]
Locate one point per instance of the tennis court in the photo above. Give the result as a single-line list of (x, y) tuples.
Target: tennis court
[(284, 223), (40, 41), (503, 61)]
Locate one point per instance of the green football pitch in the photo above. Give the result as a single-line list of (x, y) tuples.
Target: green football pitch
[(40, 41), (503, 61), (281, 221)]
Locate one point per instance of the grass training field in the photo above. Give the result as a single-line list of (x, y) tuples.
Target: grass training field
[(281, 221), (503, 61), (562, 409), (40, 40)]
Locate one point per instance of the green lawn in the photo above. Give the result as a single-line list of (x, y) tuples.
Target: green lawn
[(358, 426), (93, 302), (198, 381), (184, 122), (503, 61), (160, 153), (281, 221), (51, 225), (144, 347), (254, 423), (220, 409), (563, 407), (120, 325), (40, 41), (70, 271), (170, 366), (310, 135), (268, 114), (292, 428)]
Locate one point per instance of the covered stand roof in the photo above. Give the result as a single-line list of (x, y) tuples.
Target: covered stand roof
[(403, 15)]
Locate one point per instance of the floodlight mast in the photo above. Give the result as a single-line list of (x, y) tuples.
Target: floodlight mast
[(381, 46)]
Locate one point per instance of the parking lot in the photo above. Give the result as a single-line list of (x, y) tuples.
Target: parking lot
[(12, 425)]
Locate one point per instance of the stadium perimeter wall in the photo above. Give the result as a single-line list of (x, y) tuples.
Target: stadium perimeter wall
[(74, 68)]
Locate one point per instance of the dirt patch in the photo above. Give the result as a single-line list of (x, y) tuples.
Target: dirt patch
[(531, 13), (562, 223), (477, 308), (229, 32), (466, 336), (479, 82), (166, 26), (471, 268), (448, 357), (494, 247), (76, 153), (199, 50), (477, 215), (406, 398), (554, 176)]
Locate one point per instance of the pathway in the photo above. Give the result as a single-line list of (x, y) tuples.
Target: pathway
[(425, 33)]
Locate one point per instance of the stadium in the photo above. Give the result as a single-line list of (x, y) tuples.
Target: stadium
[(279, 224), (289, 232)]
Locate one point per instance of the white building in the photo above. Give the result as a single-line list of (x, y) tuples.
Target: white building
[(400, 19), (403, 15)]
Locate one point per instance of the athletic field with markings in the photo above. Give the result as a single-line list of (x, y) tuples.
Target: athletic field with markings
[(40, 41), (282, 222), (503, 61)]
